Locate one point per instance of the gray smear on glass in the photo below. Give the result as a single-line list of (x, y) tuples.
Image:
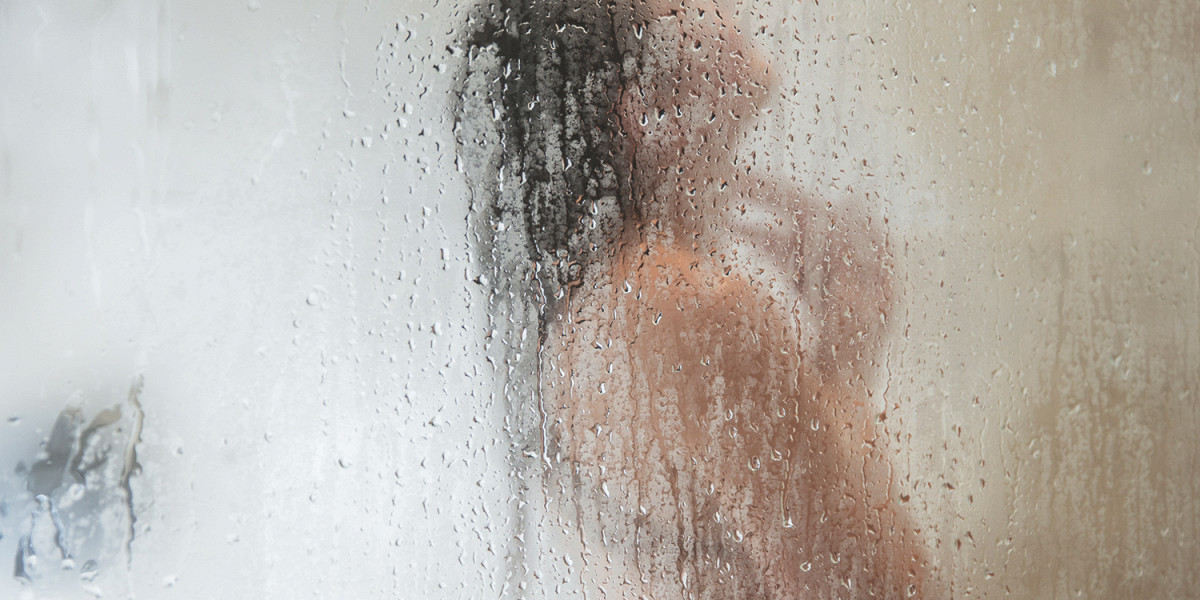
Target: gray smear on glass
[(80, 489)]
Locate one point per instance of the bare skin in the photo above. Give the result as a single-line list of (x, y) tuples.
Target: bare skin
[(712, 382)]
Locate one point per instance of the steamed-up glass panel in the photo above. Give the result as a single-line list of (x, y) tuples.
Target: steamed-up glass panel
[(563, 299), (238, 356)]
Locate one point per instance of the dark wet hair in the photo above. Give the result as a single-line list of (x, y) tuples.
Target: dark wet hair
[(541, 142)]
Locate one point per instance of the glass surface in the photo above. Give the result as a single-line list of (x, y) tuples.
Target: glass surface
[(753, 299)]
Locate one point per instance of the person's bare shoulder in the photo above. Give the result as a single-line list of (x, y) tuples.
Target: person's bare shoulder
[(827, 260)]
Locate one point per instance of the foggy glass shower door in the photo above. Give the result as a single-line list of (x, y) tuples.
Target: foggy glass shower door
[(557, 299)]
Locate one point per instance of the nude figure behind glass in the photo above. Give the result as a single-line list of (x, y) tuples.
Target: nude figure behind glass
[(690, 351)]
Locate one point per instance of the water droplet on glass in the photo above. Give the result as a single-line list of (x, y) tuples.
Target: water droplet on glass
[(89, 571)]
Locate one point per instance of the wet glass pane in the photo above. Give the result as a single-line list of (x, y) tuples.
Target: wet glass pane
[(560, 299)]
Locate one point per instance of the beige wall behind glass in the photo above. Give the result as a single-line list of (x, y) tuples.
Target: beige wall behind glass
[(1041, 168)]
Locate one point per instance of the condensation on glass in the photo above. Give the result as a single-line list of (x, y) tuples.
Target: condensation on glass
[(652, 299)]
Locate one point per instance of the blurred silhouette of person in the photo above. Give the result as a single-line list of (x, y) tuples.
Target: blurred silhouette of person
[(691, 351)]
